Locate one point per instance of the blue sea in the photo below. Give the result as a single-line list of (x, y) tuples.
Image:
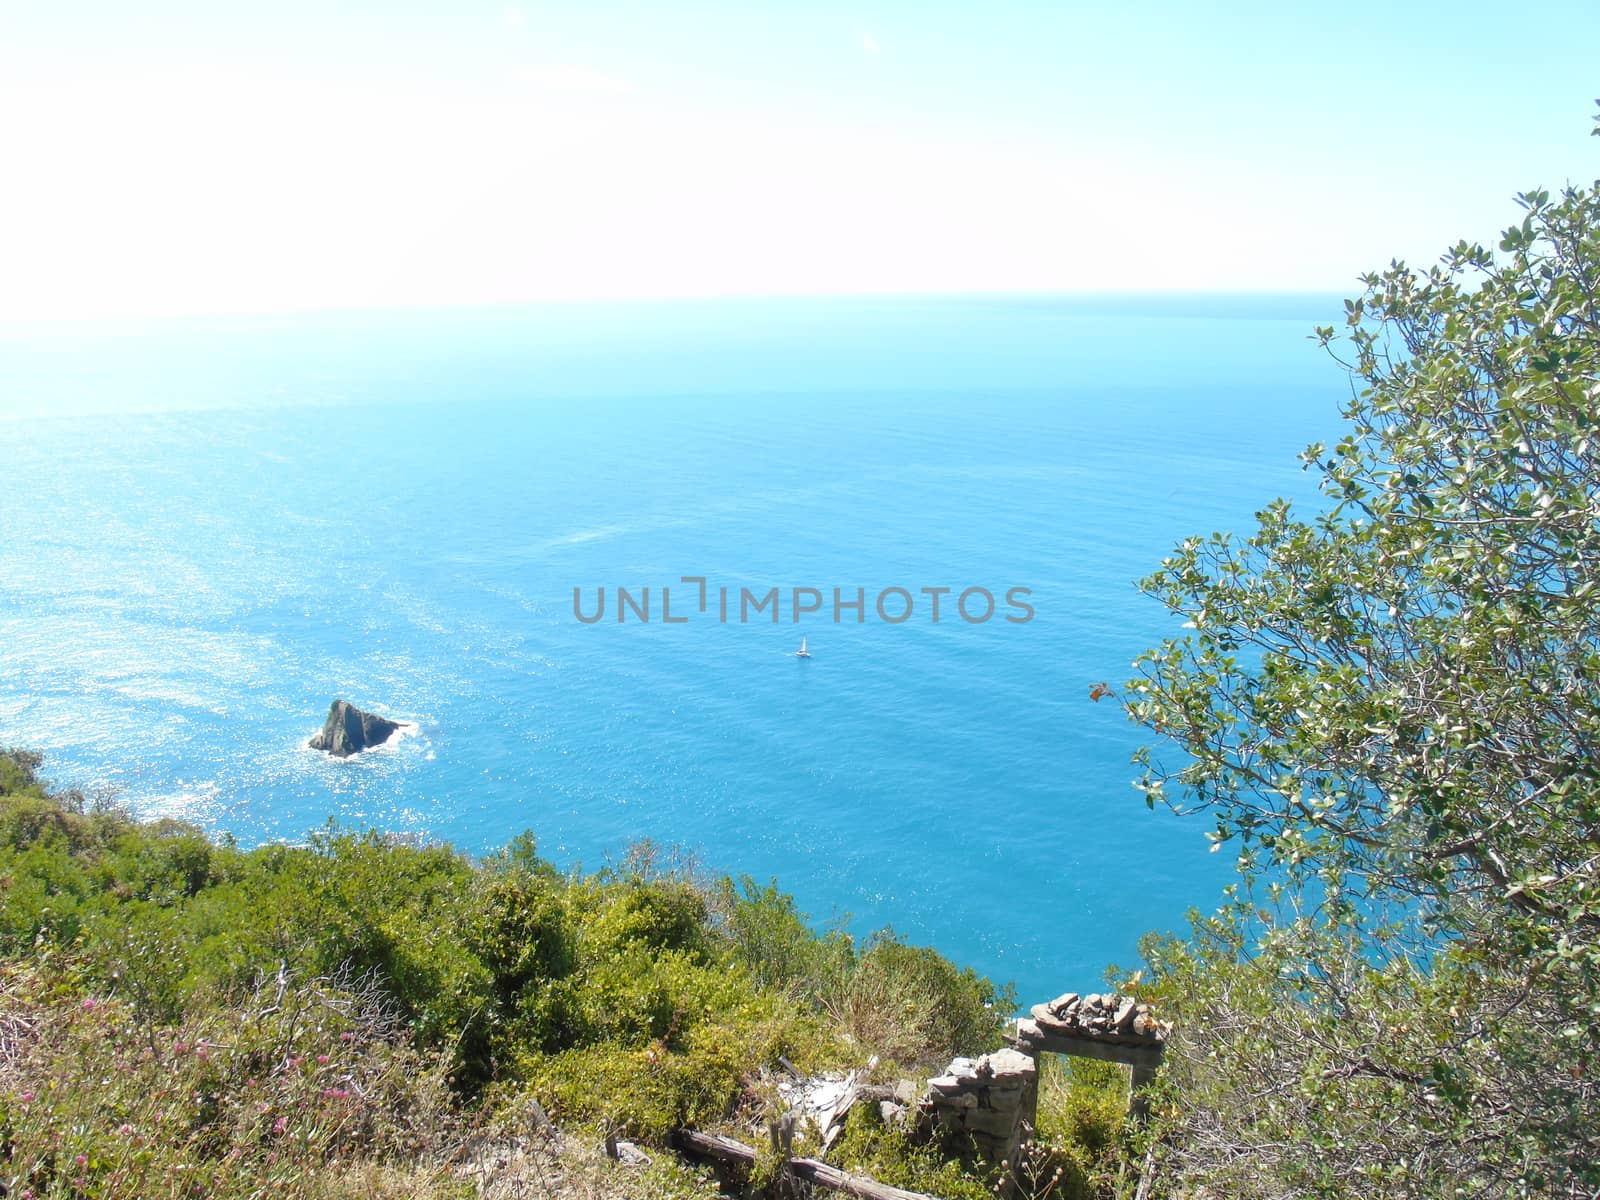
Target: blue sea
[(210, 529)]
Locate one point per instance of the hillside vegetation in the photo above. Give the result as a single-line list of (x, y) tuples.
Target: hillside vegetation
[(360, 1015)]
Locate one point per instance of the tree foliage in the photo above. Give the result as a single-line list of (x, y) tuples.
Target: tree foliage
[(1392, 708)]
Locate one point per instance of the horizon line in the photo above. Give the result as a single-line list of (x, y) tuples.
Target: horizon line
[(10, 323)]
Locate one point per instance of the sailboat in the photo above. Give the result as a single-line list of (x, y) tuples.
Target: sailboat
[(802, 652)]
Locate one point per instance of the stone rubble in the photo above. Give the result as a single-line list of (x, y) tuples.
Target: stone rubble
[(1120, 1020)]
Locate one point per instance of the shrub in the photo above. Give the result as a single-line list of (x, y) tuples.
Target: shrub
[(915, 1007), (656, 915), (770, 936)]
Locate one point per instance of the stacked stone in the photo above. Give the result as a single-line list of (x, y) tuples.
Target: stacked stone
[(1119, 1020), (987, 1099)]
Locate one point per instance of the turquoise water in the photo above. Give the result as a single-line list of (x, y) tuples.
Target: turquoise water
[(208, 530)]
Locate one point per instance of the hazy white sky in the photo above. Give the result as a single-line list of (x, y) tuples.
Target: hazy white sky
[(169, 157)]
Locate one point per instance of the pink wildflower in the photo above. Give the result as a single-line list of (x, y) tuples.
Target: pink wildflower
[(322, 1059), (280, 1125), (27, 1097), (82, 1160), (88, 1005), (335, 1093), (124, 1129)]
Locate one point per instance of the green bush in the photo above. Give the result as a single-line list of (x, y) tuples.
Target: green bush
[(43, 894), (770, 936), (655, 915), (521, 931)]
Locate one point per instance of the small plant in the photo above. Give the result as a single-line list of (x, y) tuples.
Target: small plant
[(1082, 1137)]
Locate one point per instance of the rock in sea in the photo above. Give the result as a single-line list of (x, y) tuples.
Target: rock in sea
[(349, 731)]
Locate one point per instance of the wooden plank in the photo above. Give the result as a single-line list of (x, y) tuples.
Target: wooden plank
[(1147, 1175), (824, 1175), (714, 1145), (726, 1149)]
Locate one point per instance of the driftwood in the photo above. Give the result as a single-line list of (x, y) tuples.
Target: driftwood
[(832, 1119), (823, 1175), (714, 1145), (725, 1149), (1147, 1175)]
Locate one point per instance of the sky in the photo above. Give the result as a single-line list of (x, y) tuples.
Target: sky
[(175, 157)]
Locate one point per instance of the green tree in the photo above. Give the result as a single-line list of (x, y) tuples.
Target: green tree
[(1392, 709)]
